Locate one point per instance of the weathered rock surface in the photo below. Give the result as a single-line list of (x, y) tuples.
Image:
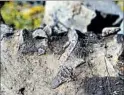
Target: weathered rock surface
[(33, 74), (110, 30), (79, 14), (5, 31), (62, 56), (104, 8), (69, 13), (26, 42)]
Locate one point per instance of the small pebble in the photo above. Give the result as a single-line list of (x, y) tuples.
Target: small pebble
[(41, 51)]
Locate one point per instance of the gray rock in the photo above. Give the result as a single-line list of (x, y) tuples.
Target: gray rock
[(5, 30), (59, 30), (109, 30), (65, 74), (39, 33), (120, 34), (105, 7), (48, 30), (32, 74), (120, 65), (26, 42), (120, 38), (41, 51), (122, 28), (29, 44), (70, 45), (69, 14), (62, 27), (57, 81)]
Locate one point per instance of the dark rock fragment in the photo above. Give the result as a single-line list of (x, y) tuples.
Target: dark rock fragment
[(65, 74)]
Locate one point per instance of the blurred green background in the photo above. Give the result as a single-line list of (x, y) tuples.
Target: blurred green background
[(25, 14)]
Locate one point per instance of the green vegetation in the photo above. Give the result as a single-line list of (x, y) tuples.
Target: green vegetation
[(22, 15)]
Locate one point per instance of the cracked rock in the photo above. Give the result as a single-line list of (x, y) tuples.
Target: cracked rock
[(65, 74), (5, 30), (26, 40)]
